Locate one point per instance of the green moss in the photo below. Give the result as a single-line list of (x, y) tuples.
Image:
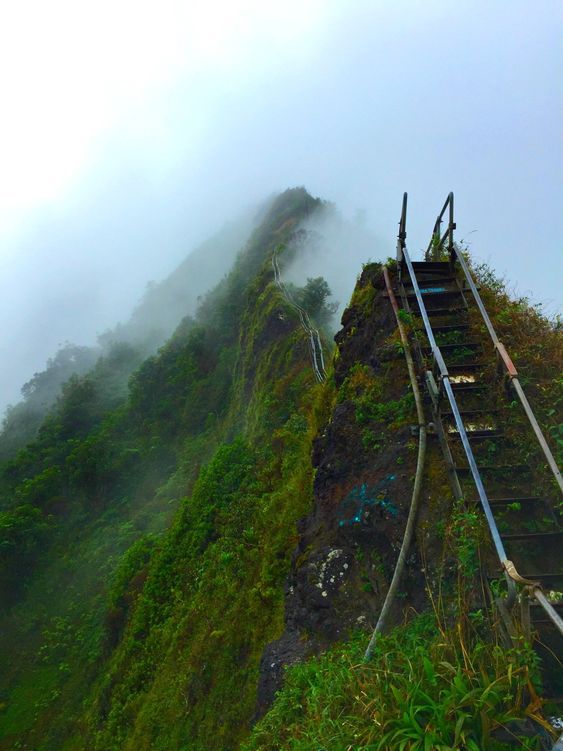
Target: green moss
[(219, 423), (363, 298), (213, 596), (154, 540), (376, 413)]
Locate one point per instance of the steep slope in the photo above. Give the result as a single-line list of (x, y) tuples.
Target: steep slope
[(123, 348), (447, 678), (94, 483), (230, 530)]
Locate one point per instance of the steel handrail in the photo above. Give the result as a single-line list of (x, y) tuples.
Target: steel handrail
[(305, 320), (449, 233), (510, 570), (511, 371), (444, 378), (445, 381), (402, 234)]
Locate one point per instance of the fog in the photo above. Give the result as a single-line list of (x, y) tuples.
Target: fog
[(333, 247), (132, 132)]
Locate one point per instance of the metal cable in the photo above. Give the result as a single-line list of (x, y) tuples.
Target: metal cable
[(314, 338), (409, 529)]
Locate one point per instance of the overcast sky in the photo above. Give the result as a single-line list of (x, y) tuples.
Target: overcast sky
[(132, 130)]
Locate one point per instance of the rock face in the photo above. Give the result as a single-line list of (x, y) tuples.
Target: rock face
[(364, 462)]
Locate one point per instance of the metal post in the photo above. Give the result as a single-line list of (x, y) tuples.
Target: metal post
[(451, 228), (402, 236), (436, 243)]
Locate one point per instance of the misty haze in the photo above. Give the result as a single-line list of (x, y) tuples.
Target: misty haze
[(279, 453), (355, 102)]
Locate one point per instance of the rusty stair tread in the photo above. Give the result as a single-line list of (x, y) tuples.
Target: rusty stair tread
[(432, 266), (543, 580), (458, 345)]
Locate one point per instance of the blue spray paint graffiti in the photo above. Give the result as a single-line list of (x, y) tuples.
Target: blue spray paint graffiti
[(363, 498)]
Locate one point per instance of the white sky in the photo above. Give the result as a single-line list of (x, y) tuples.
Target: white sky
[(130, 130), (75, 71)]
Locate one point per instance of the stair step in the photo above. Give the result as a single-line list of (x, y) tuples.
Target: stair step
[(441, 311), (448, 347), (477, 435), (436, 291), (557, 606), (540, 617), (514, 499), (535, 536), (441, 279), (466, 367), (436, 266), (468, 386), (544, 577), (451, 327), (471, 412), (493, 468), (457, 345)]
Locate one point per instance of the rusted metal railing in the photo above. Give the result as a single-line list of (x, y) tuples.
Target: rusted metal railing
[(437, 240), (511, 371), (510, 571), (457, 256)]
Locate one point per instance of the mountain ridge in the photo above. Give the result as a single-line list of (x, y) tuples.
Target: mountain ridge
[(228, 529)]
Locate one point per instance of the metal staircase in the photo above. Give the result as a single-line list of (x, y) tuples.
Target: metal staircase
[(472, 387)]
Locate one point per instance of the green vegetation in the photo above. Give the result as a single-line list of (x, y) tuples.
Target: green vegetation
[(214, 432), (534, 343), (147, 532), (22, 421), (212, 597), (313, 298), (379, 417), (435, 683), (424, 689)]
